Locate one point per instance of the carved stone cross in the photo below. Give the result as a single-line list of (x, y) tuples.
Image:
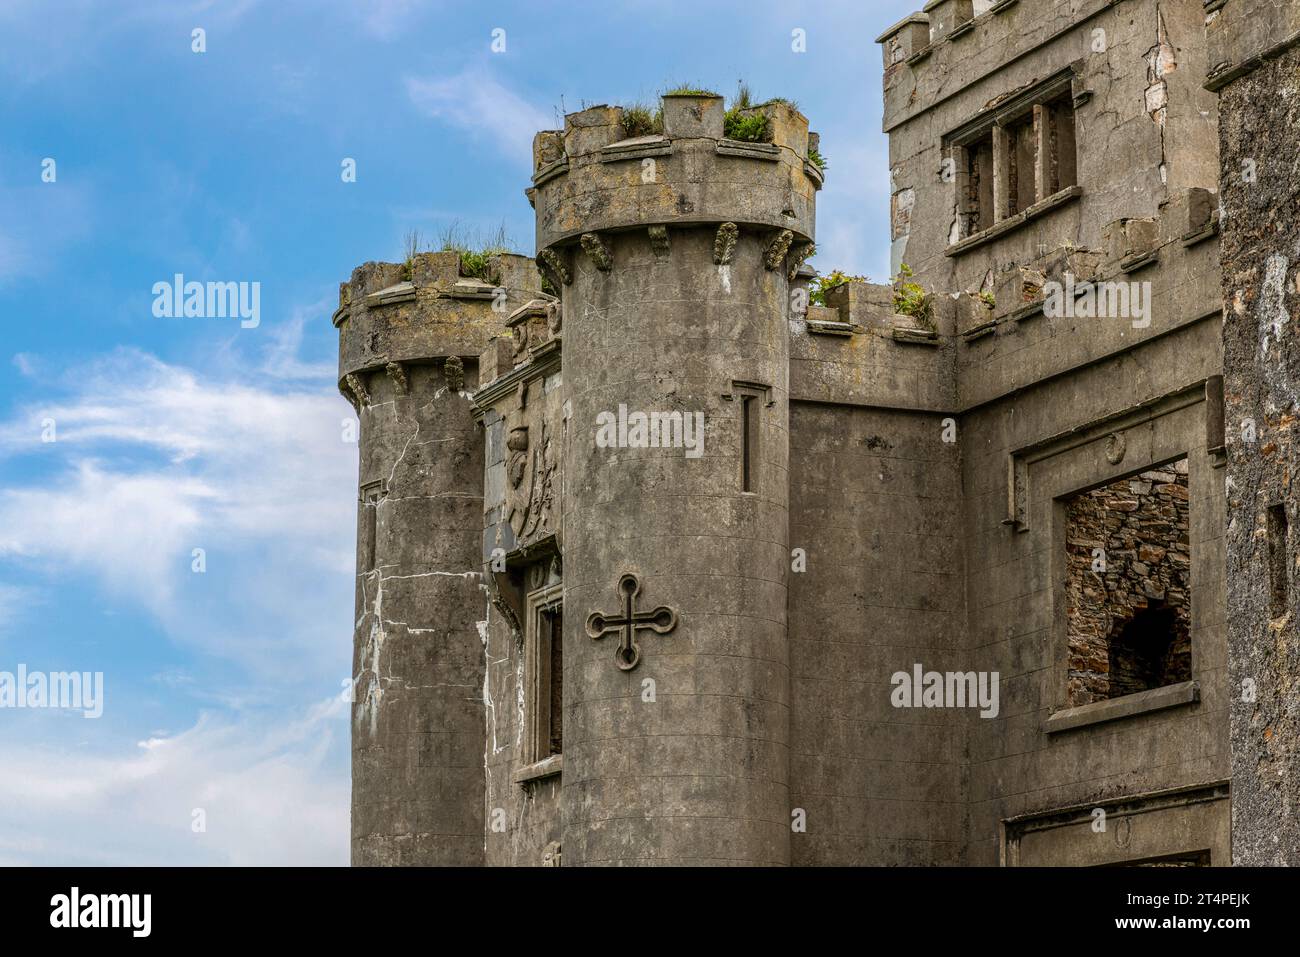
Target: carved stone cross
[(661, 621)]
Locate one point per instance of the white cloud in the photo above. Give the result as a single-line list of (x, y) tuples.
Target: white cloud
[(475, 101), (267, 785), (153, 460), (281, 356)]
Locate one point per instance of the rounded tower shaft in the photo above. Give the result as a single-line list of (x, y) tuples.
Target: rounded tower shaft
[(409, 340), (675, 256)]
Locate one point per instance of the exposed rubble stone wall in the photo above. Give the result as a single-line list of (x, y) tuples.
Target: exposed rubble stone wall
[(1127, 590)]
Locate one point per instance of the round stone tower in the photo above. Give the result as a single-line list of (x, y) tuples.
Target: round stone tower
[(674, 255), (410, 335)]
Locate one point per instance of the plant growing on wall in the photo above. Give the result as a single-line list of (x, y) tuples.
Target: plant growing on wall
[(640, 120), (739, 124), (475, 254), (411, 245), (687, 89), (821, 285), (911, 299)]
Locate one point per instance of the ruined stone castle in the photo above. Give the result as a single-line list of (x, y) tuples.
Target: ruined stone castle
[(671, 552)]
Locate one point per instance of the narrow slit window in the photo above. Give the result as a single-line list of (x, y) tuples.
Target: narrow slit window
[(555, 639), (972, 167), (1063, 155), (1277, 560), (1020, 166), (749, 441), (369, 523), (544, 676)]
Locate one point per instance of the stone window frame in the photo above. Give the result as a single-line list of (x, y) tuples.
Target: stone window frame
[(1173, 692), (369, 497), (1043, 475), (996, 129), (750, 398), (1064, 716), (538, 760)]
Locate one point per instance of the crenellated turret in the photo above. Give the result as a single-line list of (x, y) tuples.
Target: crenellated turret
[(675, 254), (410, 335)]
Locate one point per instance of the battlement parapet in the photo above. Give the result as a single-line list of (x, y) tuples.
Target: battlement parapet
[(858, 349), (952, 38), (424, 309)]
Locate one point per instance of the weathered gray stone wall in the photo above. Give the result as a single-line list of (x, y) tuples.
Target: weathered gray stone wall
[(673, 255), (924, 467), (418, 728), (875, 499), (524, 427), (1052, 405), (1056, 438), (1260, 147)]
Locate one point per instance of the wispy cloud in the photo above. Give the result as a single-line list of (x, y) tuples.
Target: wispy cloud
[(476, 102), (286, 341), (265, 785), (154, 460)]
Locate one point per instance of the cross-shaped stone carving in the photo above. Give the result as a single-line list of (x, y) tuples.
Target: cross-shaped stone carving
[(661, 621)]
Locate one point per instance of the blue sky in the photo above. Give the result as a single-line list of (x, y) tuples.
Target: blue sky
[(223, 689)]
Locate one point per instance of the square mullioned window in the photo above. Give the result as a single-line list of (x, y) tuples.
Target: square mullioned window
[(1021, 155)]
